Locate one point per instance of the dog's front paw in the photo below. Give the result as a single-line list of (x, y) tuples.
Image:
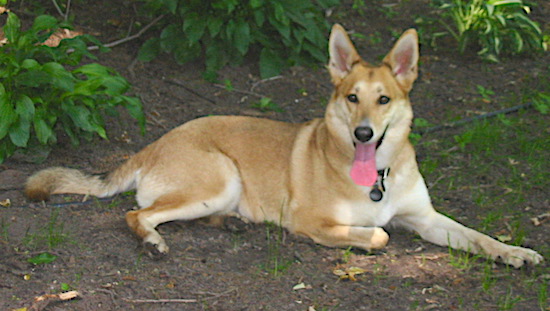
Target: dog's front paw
[(155, 251), (155, 246), (518, 256)]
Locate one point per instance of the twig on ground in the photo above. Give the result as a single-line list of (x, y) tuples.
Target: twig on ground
[(240, 91), (190, 90), (182, 300), (129, 38), (264, 80)]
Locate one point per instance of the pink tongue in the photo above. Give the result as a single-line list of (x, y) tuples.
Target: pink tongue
[(363, 171)]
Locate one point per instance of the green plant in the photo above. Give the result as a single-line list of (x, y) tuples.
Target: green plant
[(495, 26), (543, 295), (50, 235), (266, 104), (485, 93), (508, 301), (38, 92), (276, 263), (42, 258), (283, 32)]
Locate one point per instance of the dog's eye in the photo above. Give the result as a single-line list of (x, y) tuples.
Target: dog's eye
[(353, 98), (383, 100)]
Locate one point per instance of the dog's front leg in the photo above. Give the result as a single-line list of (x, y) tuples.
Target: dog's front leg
[(439, 229), (334, 235)]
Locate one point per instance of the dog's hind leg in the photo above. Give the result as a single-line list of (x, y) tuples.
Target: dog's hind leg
[(180, 205)]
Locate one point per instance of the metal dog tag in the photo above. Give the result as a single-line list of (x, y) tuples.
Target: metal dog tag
[(376, 194)]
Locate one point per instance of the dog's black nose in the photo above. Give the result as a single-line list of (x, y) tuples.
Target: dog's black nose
[(363, 133)]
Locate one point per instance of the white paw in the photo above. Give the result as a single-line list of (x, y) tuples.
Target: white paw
[(379, 238), (517, 256)]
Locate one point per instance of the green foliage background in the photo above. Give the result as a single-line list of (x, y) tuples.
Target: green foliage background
[(38, 92), (282, 32)]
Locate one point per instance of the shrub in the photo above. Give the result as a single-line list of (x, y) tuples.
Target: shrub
[(286, 32), (38, 92), (495, 26)]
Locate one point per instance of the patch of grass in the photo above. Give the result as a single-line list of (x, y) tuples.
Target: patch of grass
[(509, 300), (49, 236), (542, 296), (276, 263), (266, 104), (4, 227)]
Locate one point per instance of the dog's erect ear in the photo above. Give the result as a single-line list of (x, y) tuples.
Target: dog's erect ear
[(403, 59), (342, 54)]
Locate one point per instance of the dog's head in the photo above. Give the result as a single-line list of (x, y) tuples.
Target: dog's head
[(371, 103)]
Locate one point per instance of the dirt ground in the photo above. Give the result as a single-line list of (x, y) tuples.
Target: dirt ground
[(259, 266)]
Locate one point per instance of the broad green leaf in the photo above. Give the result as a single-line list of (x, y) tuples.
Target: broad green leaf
[(80, 116), (193, 27), (149, 50), (43, 131), (115, 85), (33, 78), (12, 28), (7, 114), (170, 38), (20, 132), (256, 4), (259, 17), (24, 107), (241, 37), (214, 25), (93, 70), (135, 108), (42, 258), (30, 63), (44, 22), (61, 78), (270, 63)]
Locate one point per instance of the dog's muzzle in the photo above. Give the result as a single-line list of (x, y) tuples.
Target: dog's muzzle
[(365, 133)]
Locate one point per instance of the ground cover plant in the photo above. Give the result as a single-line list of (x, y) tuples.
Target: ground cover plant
[(39, 90), (493, 27), (491, 174)]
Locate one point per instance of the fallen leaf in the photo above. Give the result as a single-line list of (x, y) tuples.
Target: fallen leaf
[(301, 286), (5, 203), (349, 273)]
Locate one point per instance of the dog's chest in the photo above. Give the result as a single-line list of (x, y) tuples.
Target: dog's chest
[(365, 213)]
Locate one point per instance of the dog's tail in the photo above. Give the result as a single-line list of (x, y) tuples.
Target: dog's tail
[(57, 180)]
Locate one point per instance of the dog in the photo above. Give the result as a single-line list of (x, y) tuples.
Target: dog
[(337, 180)]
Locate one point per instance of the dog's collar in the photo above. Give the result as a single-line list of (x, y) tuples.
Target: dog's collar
[(379, 142), (377, 192)]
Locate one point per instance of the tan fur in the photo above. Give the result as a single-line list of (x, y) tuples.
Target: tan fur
[(297, 175)]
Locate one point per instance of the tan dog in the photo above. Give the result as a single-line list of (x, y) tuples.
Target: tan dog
[(337, 180)]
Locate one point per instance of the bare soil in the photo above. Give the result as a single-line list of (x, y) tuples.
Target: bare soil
[(259, 266)]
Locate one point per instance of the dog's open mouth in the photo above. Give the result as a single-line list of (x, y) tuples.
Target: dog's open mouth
[(363, 170)]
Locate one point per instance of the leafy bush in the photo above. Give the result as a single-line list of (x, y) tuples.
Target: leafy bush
[(37, 92), (495, 26), (286, 32)]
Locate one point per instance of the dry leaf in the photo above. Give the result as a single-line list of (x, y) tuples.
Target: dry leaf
[(59, 35), (301, 286), (5, 203), (349, 273)]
